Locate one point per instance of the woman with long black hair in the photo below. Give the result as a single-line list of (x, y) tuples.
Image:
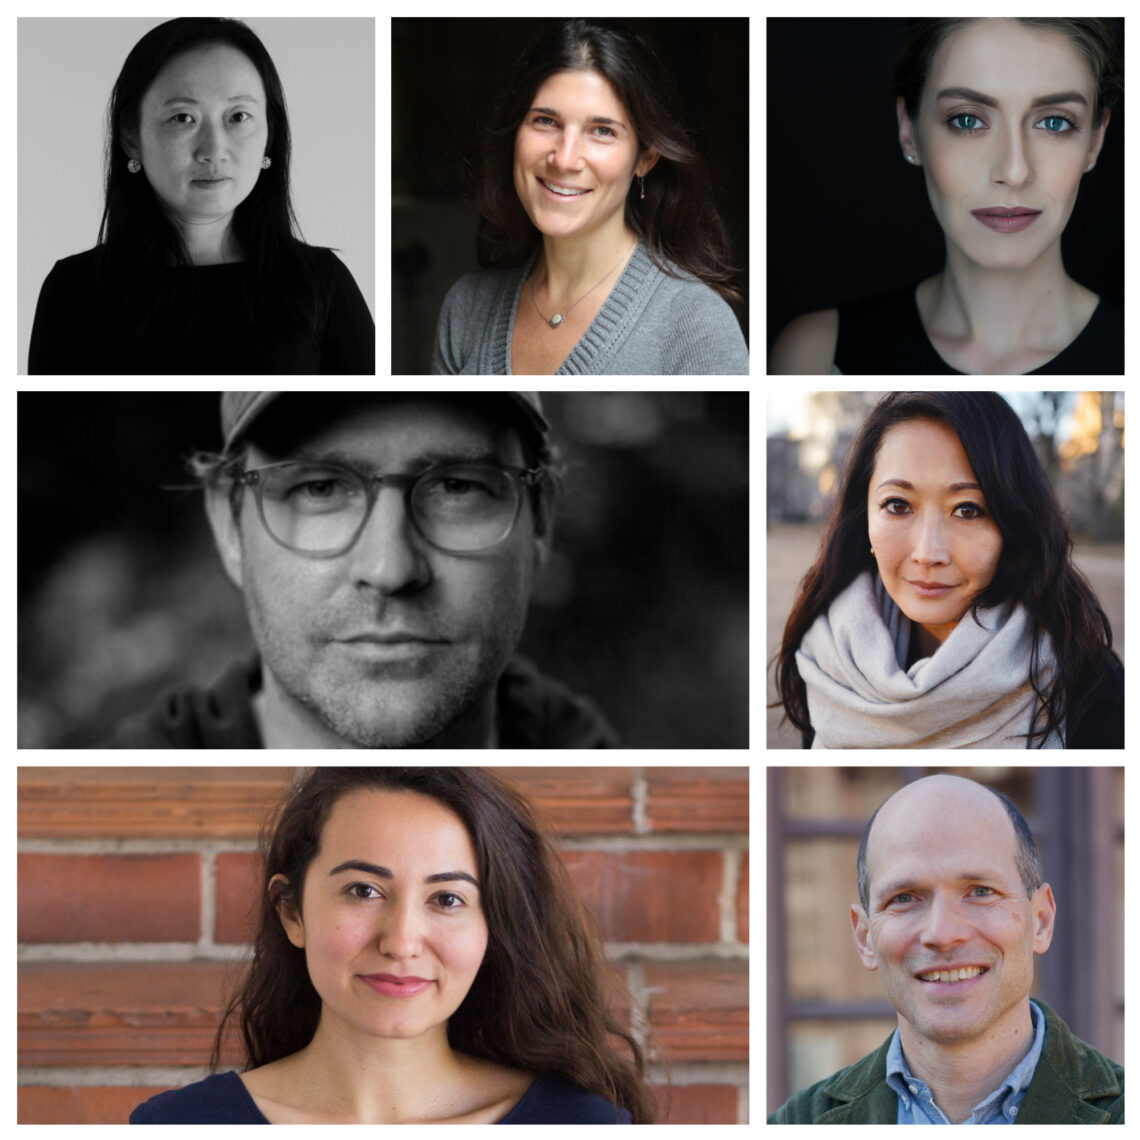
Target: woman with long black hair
[(603, 251), (421, 958), (943, 609), (198, 268)]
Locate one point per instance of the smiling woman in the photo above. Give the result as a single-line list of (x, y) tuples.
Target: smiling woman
[(197, 268), (603, 250), (1005, 118), (421, 959), (943, 609)]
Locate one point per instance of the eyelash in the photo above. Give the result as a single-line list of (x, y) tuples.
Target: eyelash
[(951, 121), (352, 888), (970, 506)]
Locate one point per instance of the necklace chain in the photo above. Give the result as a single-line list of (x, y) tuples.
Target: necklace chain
[(558, 318)]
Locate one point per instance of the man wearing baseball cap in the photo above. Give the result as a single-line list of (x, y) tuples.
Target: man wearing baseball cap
[(385, 546)]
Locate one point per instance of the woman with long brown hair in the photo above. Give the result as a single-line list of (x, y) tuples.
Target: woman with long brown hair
[(603, 251), (421, 958)]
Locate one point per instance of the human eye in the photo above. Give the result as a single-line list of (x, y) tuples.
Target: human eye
[(458, 484), (973, 511), (989, 891), (543, 121), (449, 900), (609, 132), (1057, 124), (894, 506), (902, 898), (965, 122), (181, 118), (359, 892), (312, 489), (241, 117)]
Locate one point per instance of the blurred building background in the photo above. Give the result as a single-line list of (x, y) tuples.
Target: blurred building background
[(644, 605), (1079, 437), (826, 1011)]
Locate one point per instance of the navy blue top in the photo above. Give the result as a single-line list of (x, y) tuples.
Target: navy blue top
[(224, 1099)]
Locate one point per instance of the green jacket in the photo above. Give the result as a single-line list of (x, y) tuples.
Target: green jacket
[(1072, 1084)]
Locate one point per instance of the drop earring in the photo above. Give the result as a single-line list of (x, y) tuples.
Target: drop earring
[(641, 179)]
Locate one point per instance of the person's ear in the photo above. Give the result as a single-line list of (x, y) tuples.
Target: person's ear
[(861, 930), (129, 141), (286, 910), (646, 162), (227, 532), (1044, 910), (908, 136), (1096, 141)]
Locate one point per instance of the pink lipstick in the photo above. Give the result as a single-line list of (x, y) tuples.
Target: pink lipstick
[(1006, 219), (393, 985), (929, 589)]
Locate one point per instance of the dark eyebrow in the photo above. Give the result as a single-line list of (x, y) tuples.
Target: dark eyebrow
[(910, 486), (592, 119), (194, 102), (384, 873), (477, 453), (989, 101)]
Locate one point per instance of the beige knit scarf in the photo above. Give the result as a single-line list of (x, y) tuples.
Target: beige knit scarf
[(974, 692)]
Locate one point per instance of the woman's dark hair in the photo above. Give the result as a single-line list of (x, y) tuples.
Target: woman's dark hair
[(539, 1000), (137, 241), (1100, 41), (677, 219), (1035, 568)]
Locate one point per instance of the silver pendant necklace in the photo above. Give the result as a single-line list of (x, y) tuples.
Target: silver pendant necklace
[(558, 318)]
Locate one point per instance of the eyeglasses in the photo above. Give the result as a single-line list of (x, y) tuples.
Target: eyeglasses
[(320, 509)]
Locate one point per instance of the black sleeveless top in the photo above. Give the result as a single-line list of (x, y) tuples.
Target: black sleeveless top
[(884, 336)]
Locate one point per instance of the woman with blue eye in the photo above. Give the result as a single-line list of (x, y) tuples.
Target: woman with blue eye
[(603, 251), (197, 267), (1004, 118), (421, 958), (943, 609)]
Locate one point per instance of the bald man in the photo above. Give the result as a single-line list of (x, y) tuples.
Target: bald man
[(951, 911)]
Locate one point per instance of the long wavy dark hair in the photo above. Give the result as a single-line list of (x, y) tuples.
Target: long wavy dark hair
[(1036, 566), (137, 241), (677, 220), (539, 1000)]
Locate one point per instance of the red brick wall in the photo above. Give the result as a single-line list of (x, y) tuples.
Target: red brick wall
[(135, 886)]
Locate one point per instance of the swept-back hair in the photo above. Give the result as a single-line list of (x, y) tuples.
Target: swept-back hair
[(137, 241), (1035, 568), (677, 218), (540, 999)]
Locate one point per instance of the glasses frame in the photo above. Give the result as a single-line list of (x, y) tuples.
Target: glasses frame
[(254, 479)]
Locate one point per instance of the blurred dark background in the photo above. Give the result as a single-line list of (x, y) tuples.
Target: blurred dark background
[(446, 74), (644, 605)]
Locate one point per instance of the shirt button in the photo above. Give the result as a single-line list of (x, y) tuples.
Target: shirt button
[(1013, 1110), (913, 1090), (906, 1103)]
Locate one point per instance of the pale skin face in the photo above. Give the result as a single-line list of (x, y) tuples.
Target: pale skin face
[(934, 541), (324, 685), (393, 891), (945, 894), (201, 136), (578, 135), (1006, 119)]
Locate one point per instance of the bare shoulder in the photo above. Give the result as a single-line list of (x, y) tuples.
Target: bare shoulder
[(806, 347)]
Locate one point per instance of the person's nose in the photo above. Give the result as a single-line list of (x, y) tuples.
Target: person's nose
[(209, 142), (568, 153), (944, 925), (930, 540), (389, 555), (401, 932), (1012, 162)]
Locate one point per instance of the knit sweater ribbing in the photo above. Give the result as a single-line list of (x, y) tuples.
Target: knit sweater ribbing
[(652, 323)]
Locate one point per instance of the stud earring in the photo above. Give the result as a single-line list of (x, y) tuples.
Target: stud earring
[(1089, 167), (133, 165), (266, 162), (911, 159), (872, 550)]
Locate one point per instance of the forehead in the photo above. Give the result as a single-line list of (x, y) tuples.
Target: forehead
[(395, 828), (924, 447), (385, 431), (212, 70), (585, 92), (1009, 60)]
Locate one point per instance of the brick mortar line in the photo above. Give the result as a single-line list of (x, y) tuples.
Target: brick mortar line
[(729, 887), (208, 900), (639, 793), (658, 841), (131, 1076), (81, 953)]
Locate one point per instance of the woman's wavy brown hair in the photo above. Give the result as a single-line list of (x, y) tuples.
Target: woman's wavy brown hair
[(1035, 568), (677, 219), (539, 1001)]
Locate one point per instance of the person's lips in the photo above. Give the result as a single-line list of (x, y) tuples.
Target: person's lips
[(562, 190), (930, 589), (395, 647), (1006, 219), (396, 985), (951, 975)]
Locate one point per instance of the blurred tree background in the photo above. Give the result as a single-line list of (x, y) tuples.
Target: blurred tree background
[(644, 605)]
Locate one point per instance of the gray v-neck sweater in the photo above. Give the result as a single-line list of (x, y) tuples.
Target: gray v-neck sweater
[(652, 324)]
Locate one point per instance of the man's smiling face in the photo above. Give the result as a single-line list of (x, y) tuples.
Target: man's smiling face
[(949, 926)]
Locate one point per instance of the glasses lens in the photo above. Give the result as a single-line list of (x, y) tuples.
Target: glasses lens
[(311, 507), (465, 507)]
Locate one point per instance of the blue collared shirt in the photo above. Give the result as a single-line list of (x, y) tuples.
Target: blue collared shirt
[(916, 1101)]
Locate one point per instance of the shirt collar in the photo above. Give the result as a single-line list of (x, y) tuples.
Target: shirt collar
[(899, 1076)]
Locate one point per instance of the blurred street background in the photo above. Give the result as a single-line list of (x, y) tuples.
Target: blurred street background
[(644, 606), (1079, 437)]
